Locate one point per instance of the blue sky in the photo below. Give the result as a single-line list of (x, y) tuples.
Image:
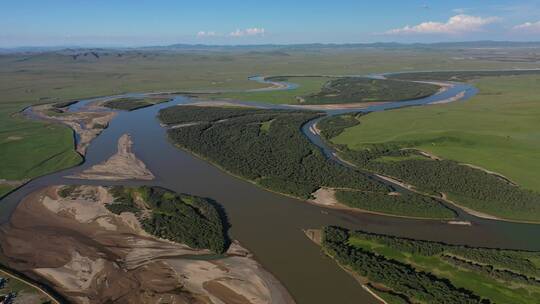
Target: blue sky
[(158, 22)]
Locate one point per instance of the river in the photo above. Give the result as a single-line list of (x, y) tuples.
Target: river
[(269, 224)]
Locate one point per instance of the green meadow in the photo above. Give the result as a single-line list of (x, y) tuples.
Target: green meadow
[(306, 86), (30, 148), (498, 129)]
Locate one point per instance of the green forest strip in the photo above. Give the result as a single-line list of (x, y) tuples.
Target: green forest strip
[(278, 157), (431, 272), (376, 142), (401, 204), (197, 222), (360, 89), (131, 104)]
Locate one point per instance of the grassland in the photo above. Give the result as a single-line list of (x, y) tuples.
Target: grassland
[(429, 272), (497, 130), (5, 189), (334, 90), (131, 104), (306, 86), (52, 77), (30, 149)]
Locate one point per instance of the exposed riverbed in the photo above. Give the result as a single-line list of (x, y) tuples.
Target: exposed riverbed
[(268, 224)]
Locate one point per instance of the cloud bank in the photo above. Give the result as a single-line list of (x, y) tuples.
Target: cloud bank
[(533, 27), (206, 34), (254, 31), (457, 24)]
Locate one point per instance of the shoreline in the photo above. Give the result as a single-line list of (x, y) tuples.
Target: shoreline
[(331, 207), (340, 206), (315, 235)]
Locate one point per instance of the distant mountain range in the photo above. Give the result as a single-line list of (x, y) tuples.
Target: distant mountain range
[(282, 47)]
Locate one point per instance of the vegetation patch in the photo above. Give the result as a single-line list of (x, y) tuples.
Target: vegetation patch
[(469, 187), (43, 148), (265, 126), (334, 90), (131, 104), (191, 220), (5, 189), (15, 289), (458, 75), (332, 126), (404, 204), (506, 142), (282, 160), (361, 89), (65, 104), (431, 272)]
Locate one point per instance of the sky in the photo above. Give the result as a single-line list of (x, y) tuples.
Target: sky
[(163, 22)]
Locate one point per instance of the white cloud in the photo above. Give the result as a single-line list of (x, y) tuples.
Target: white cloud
[(254, 31), (528, 27), (460, 10), (455, 25), (206, 34)]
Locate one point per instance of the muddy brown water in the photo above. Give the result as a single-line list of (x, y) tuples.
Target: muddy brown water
[(269, 224)]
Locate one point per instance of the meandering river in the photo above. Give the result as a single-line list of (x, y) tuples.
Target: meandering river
[(269, 224)]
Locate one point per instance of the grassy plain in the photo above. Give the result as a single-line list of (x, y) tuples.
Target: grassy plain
[(498, 129), (27, 79), (307, 85)]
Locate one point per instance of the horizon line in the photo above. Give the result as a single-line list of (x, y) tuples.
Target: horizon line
[(106, 46)]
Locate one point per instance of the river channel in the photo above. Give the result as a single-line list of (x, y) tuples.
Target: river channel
[(269, 224)]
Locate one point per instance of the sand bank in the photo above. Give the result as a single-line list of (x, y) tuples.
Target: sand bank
[(123, 165), (90, 255)]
